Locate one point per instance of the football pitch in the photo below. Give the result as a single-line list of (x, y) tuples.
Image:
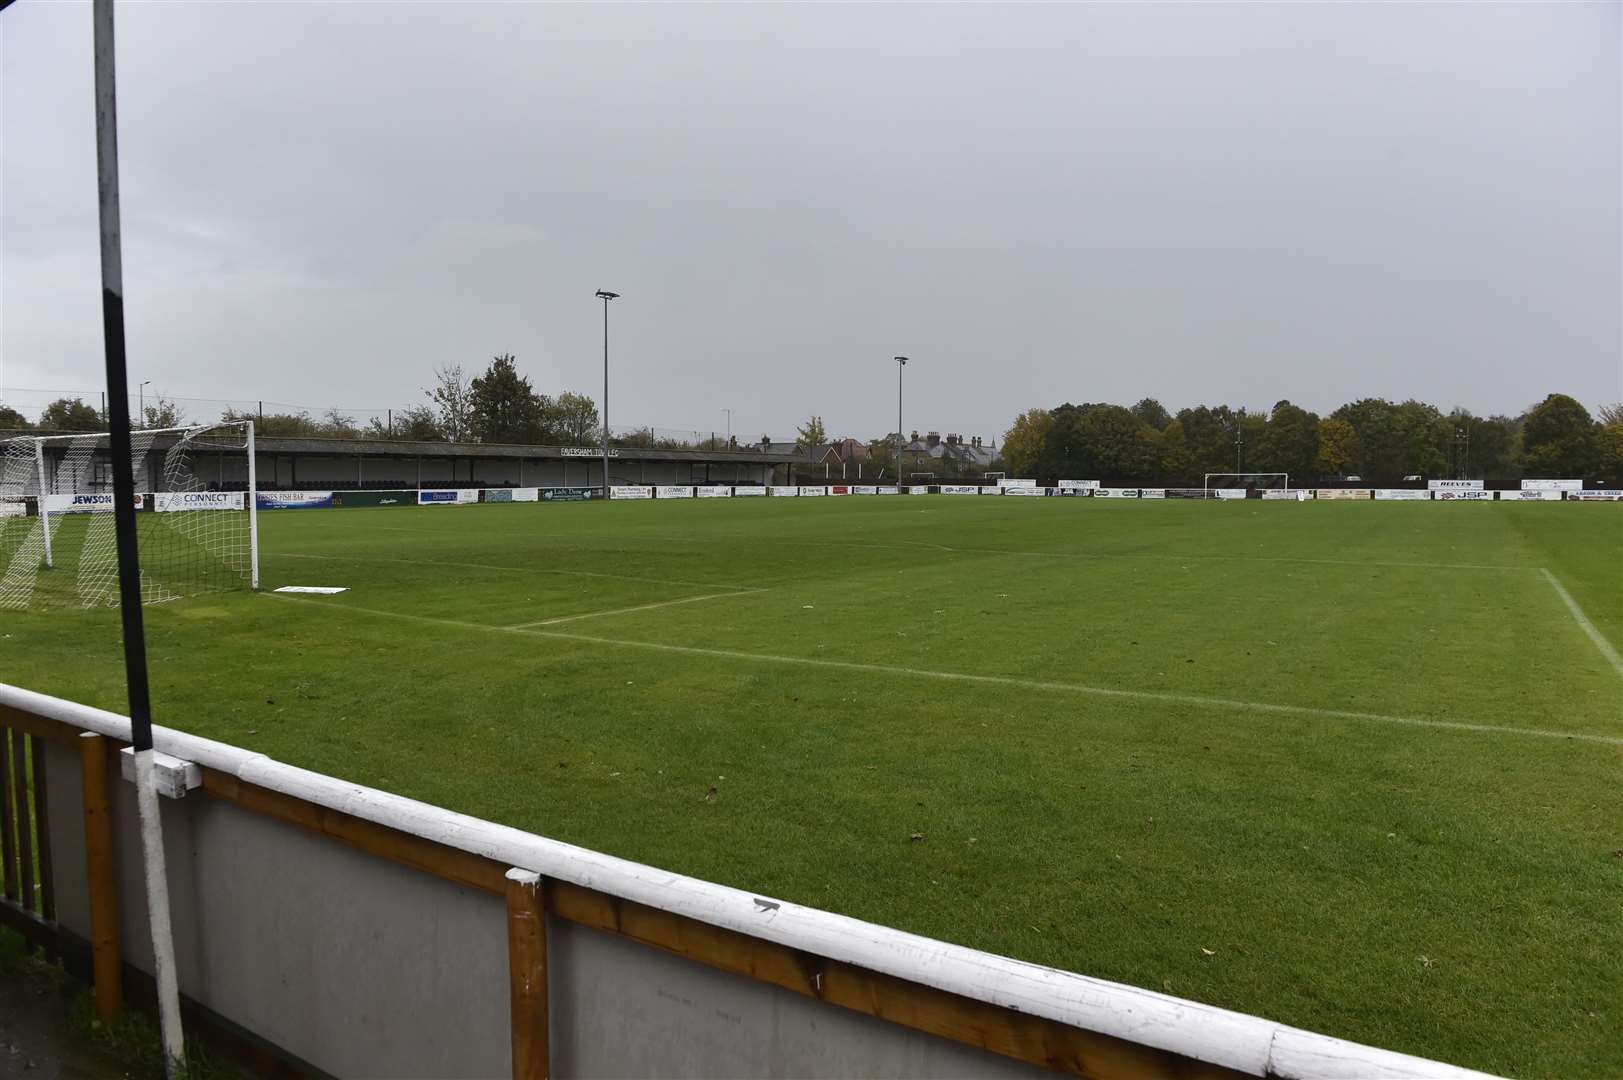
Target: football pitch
[(1354, 767)]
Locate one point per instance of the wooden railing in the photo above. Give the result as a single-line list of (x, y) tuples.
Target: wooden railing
[(1052, 1019)]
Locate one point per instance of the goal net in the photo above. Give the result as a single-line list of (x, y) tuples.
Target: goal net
[(195, 521), (1240, 485)]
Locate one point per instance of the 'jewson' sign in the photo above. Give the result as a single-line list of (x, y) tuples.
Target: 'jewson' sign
[(85, 504), (292, 500), (631, 492), (166, 502), (1454, 485)]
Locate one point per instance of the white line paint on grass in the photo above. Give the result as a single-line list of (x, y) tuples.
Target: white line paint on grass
[(1303, 711), (629, 610), (1584, 624), (497, 568)]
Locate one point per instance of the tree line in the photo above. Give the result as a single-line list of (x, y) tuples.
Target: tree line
[(498, 406), (1376, 440)]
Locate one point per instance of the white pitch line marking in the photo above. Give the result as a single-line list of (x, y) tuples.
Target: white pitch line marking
[(995, 680), (1584, 624), (513, 569), (629, 610)]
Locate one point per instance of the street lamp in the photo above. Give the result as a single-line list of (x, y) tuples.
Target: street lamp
[(606, 296), (142, 390), (901, 362), (729, 413)]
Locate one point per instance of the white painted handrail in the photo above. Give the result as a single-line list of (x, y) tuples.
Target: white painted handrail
[(1248, 1044)]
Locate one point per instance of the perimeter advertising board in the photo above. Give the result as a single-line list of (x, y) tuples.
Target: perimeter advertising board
[(1025, 491), (568, 494), (1530, 495), (1115, 493), (85, 504), (1078, 485), (1454, 485), (1597, 495), (1467, 495), (887, 490), (374, 498), (1007, 482), (713, 491), (168, 502), (1155, 493), (746, 490), (960, 489), (782, 491), (864, 489), (292, 500), (1342, 493), (631, 491), (839, 489), (447, 496), (1390, 494), (1552, 485), (919, 489), (672, 492), (809, 491)]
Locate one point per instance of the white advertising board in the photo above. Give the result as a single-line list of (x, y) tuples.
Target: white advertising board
[(887, 490), (1341, 493), (1598, 495), (13, 509), (526, 495), (960, 489), (810, 491), (665, 492), (1078, 485), (1010, 482), (1552, 485), (631, 492), (85, 504), (1529, 495), (1155, 493), (1454, 485), (1115, 493), (782, 491), (864, 489), (1401, 493), (168, 502), (1229, 493), (919, 489), (713, 491), (447, 496), (1295, 494), (1469, 495), (1024, 491), (746, 490)]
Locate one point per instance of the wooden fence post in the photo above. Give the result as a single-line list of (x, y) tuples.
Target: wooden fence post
[(106, 961), (527, 970), (8, 843)]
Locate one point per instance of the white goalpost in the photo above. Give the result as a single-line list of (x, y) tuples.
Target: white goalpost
[(1236, 485), (198, 519)]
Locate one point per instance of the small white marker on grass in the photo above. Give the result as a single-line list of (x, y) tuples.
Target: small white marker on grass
[(325, 590)]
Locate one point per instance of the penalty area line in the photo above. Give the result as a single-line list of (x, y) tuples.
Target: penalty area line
[(497, 568), (630, 610), (1229, 704), (1584, 624)]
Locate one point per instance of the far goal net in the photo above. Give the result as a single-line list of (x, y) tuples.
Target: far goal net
[(195, 521), (1241, 485)]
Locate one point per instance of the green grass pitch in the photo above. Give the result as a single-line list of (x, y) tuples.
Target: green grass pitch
[(1352, 767)]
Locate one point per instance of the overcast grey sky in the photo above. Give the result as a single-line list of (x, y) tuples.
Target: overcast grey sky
[(1200, 203)]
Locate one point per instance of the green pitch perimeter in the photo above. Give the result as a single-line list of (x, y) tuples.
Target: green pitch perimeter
[(1355, 767)]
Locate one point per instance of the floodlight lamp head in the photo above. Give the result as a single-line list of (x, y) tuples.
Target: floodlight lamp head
[(606, 295), (902, 360)]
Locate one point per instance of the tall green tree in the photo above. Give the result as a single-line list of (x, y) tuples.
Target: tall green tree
[(1338, 447), (452, 396), (415, 424), (11, 419), (1023, 442), (163, 413), (1174, 453), (1153, 413), (1395, 441), (571, 419), (810, 434), (1560, 438), (503, 406), (1289, 442), (281, 425), (69, 414)]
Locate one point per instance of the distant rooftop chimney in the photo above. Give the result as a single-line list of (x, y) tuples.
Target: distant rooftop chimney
[(933, 439)]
